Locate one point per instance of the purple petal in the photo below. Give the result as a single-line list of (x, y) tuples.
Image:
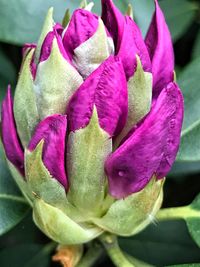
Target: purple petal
[(114, 21), (82, 26), (127, 38), (160, 47), (27, 47), (53, 131), (132, 44), (106, 88), (152, 147), (47, 46), (12, 146), (58, 28)]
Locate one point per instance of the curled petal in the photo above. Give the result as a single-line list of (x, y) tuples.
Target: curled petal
[(150, 149), (53, 131), (12, 146), (127, 38), (82, 26), (160, 47), (106, 88)]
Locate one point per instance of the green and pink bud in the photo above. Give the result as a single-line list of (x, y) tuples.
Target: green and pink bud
[(95, 124)]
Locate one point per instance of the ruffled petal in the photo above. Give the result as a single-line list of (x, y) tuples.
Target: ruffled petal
[(150, 149)]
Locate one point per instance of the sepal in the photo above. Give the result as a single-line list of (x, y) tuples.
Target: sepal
[(43, 185), (25, 104), (88, 149), (55, 82), (132, 214), (139, 99), (59, 227), (21, 183), (47, 27)]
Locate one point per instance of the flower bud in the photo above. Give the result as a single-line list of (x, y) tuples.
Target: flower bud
[(95, 125)]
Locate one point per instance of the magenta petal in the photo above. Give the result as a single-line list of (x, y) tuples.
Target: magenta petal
[(47, 46), (132, 44), (27, 47), (160, 47), (82, 26), (127, 38), (12, 146), (106, 88), (152, 147), (53, 131), (58, 28), (113, 20)]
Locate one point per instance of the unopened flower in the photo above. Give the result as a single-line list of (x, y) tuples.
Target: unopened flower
[(95, 125)]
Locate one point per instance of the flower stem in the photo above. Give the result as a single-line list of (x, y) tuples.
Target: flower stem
[(113, 250), (92, 255), (177, 213)]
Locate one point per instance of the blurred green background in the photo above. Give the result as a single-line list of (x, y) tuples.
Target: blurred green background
[(161, 244)]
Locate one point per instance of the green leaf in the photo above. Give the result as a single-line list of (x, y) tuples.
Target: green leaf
[(21, 21), (13, 206), (7, 73), (163, 244), (194, 223), (179, 15), (186, 265), (190, 141), (25, 232), (196, 49), (143, 9), (184, 168), (26, 255)]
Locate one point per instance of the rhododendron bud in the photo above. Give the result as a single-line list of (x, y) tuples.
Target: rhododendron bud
[(95, 124)]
